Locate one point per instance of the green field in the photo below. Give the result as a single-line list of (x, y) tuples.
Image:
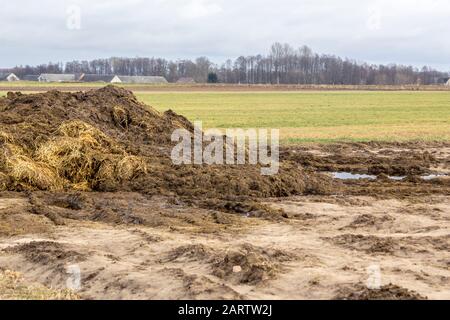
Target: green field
[(317, 116)]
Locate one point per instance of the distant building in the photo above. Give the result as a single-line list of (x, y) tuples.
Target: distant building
[(110, 78), (186, 80), (54, 77), (9, 77), (142, 79), (444, 81), (31, 77), (99, 78)]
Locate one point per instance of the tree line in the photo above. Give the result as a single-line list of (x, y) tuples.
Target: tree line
[(283, 64)]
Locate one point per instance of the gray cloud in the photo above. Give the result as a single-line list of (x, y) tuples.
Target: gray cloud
[(379, 31)]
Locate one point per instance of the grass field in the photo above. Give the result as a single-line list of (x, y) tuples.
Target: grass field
[(317, 116)]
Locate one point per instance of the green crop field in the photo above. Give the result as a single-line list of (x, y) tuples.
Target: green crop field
[(317, 116)]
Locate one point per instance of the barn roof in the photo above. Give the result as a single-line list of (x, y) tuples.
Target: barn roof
[(54, 77), (31, 77), (96, 78), (4, 76), (142, 79)]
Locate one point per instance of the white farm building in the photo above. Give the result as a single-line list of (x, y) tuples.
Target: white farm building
[(54, 77), (9, 77), (142, 79)]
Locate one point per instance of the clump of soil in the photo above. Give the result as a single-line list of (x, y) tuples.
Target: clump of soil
[(369, 244), (368, 220), (105, 140), (343, 158), (387, 292), (190, 253), (53, 255), (245, 264), (47, 253), (249, 264), (17, 222), (376, 245)]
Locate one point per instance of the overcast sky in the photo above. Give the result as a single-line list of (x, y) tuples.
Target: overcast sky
[(381, 31)]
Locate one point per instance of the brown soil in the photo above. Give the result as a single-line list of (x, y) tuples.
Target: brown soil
[(86, 179), (388, 292), (46, 252), (156, 249), (412, 160), (361, 158), (105, 140)]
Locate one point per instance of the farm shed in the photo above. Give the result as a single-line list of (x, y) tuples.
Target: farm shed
[(53, 77), (31, 77), (142, 79), (444, 81), (9, 77), (99, 78)]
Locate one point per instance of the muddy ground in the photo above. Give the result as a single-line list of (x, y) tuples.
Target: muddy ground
[(87, 184), (136, 245)]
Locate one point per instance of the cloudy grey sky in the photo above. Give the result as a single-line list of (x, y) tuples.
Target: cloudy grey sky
[(380, 31)]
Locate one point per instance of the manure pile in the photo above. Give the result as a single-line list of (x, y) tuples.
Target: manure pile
[(105, 140)]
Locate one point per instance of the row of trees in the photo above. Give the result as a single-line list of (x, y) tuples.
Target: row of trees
[(282, 65), (285, 65)]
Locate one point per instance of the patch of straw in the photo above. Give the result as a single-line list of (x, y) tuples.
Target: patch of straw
[(130, 166), (31, 174), (5, 137), (3, 182), (13, 287), (120, 117), (72, 158), (86, 133), (81, 155), (82, 186)]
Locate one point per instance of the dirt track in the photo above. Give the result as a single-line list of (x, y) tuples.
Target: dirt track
[(223, 87)]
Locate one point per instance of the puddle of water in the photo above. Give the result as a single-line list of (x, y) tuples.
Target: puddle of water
[(356, 176), (397, 178), (352, 176), (433, 176)]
